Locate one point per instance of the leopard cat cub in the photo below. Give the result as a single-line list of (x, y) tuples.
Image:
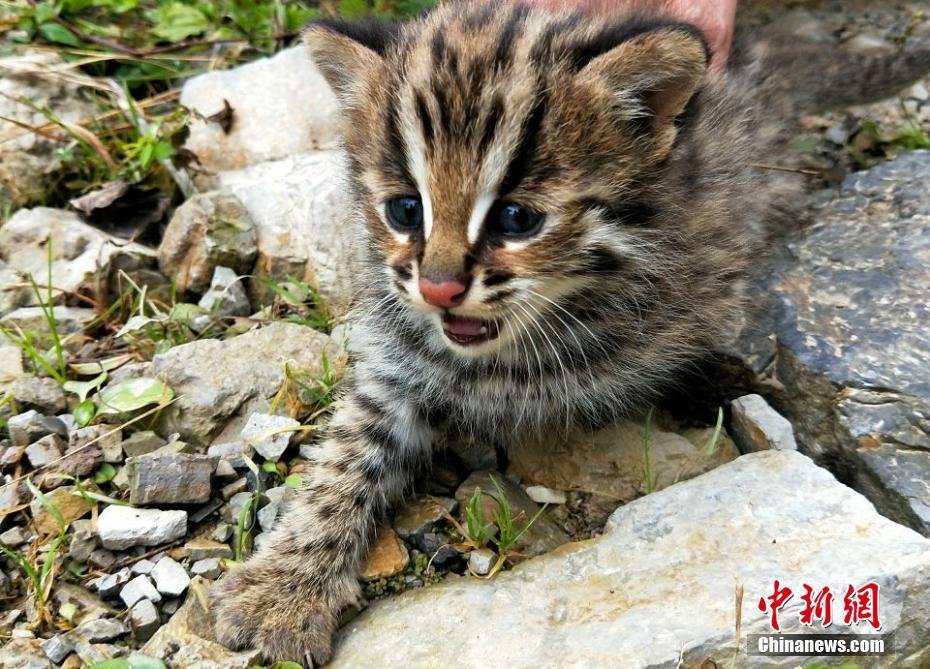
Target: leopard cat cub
[(555, 212)]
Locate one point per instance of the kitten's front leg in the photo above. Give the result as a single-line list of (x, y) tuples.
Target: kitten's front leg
[(286, 599)]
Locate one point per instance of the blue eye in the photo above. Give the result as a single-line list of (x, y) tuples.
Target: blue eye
[(405, 213), (511, 220)]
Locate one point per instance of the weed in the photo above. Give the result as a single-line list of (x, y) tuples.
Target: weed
[(41, 576), (478, 533), (299, 303), (28, 342)]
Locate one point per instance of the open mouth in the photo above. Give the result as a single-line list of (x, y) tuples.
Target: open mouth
[(466, 331)]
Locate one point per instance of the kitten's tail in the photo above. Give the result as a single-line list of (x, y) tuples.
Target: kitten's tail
[(815, 77)]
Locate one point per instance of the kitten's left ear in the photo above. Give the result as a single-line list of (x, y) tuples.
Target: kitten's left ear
[(655, 73), (345, 52)]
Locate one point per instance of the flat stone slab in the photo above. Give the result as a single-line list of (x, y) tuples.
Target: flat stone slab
[(658, 588)]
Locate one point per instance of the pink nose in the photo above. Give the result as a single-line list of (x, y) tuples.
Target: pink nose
[(445, 294)]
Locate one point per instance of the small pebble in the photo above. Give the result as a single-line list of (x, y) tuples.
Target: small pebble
[(144, 619), (480, 561), (170, 578), (139, 588), (543, 495), (143, 567), (208, 568)]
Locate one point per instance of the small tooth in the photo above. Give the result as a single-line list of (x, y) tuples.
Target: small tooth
[(483, 330)]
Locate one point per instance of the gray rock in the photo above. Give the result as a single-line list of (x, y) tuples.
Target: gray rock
[(109, 586), (226, 295), (233, 509), (221, 533), (144, 620), (106, 438), (267, 515), (299, 207), (232, 452), (848, 309), (268, 434), (80, 461), (225, 471), (14, 537), (617, 601), (83, 540), (170, 578), (57, 648), (101, 629), (23, 654), (40, 393), (68, 320), (280, 105), (215, 380), (139, 588), (420, 515), (481, 560), (101, 559), (170, 478), (437, 547), (30, 426), (143, 567), (201, 549), (187, 639), (121, 527), (44, 451), (208, 568), (28, 157), (758, 427), (142, 443), (82, 256), (209, 230)]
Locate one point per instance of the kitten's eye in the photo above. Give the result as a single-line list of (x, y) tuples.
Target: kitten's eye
[(405, 213), (511, 220)]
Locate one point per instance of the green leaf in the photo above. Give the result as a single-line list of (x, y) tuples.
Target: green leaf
[(134, 661), (105, 365), (294, 481), (84, 413), (67, 611), (145, 157), (105, 473), (132, 395), (285, 665), (163, 150), (353, 9), (176, 21), (83, 388), (57, 33)]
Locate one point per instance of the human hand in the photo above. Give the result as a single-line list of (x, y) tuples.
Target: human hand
[(714, 17)]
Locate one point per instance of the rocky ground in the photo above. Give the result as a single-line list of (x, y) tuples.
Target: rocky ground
[(162, 392)]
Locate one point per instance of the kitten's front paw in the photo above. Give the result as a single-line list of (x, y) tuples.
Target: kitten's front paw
[(258, 606)]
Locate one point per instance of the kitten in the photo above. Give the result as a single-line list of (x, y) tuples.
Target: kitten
[(555, 212)]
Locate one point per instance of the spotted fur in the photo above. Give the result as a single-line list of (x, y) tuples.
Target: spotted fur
[(642, 166)]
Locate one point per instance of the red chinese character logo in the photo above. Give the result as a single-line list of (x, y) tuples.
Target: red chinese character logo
[(778, 598), (862, 605), (817, 606)]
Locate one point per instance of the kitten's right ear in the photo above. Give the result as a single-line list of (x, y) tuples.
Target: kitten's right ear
[(346, 52)]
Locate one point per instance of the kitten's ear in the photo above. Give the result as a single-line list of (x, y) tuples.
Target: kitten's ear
[(345, 52), (656, 71)]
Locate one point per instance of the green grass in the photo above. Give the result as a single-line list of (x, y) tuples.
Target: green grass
[(40, 573), (478, 533)]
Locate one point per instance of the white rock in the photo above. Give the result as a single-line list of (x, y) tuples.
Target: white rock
[(264, 433), (81, 255), (139, 588), (121, 527), (299, 209), (481, 560), (170, 578), (143, 567), (658, 588), (226, 295), (757, 426), (543, 495), (280, 106)]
